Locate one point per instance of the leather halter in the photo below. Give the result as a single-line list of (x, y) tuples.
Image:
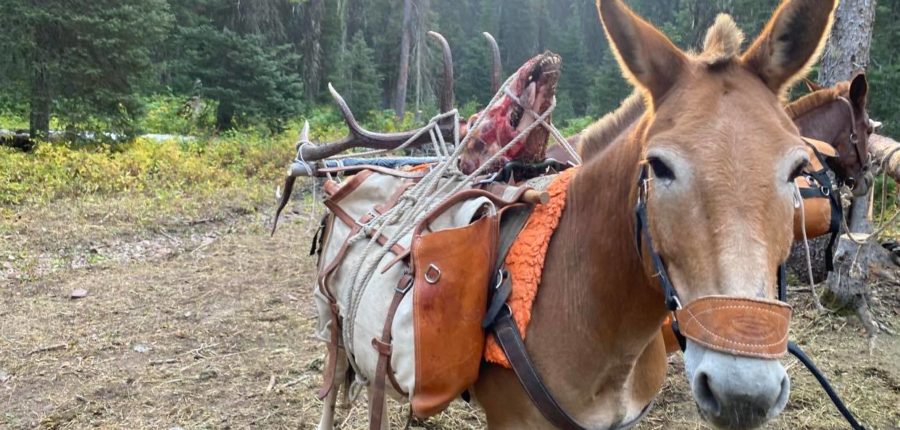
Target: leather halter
[(854, 135), (641, 229), (739, 326), (501, 323)]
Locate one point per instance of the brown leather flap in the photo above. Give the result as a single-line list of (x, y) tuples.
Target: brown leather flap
[(452, 271), (739, 326), (816, 212), (824, 148)]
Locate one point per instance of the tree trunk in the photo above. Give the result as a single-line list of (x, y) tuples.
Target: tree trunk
[(403, 79), (224, 116), (847, 51), (310, 41), (39, 121)]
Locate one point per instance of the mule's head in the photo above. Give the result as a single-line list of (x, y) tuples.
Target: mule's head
[(723, 155), (853, 142), (838, 116)]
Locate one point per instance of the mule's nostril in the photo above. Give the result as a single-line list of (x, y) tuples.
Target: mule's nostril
[(705, 396), (782, 399)]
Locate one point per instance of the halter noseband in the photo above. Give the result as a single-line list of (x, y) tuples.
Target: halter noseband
[(740, 326)]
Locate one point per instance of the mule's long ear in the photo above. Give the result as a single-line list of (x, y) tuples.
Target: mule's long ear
[(648, 59), (791, 42), (859, 88)]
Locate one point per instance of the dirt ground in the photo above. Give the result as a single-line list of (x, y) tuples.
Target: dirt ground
[(197, 319)]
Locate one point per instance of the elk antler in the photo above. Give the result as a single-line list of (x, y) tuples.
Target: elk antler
[(446, 97), (496, 71), (360, 137)]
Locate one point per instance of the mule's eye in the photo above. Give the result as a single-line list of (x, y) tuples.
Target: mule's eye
[(798, 171), (661, 170)]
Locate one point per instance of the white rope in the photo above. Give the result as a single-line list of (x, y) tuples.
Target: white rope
[(798, 204), (444, 180)]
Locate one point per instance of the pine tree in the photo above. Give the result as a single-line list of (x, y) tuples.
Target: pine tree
[(357, 77), (251, 76), (83, 60)]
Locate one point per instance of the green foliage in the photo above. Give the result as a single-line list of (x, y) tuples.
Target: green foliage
[(12, 120), (170, 114), (83, 61), (134, 65), (357, 78), (143, 166), (249, 79), (574, 126)]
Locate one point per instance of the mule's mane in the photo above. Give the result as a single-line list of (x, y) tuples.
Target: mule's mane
[(602, 132), (816, 99)]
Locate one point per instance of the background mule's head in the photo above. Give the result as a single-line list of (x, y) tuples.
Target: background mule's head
[(839, 115), (723, 156)]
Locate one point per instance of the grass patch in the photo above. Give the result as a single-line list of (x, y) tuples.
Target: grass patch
[(141, 167)]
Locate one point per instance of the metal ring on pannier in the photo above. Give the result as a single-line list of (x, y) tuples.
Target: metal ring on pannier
[(433, 274)]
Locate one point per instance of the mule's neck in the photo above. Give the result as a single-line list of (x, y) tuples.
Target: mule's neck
[(597, 306), (601, 204), (828, 123)]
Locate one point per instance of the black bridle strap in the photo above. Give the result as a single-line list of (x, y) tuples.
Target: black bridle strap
[(837, 210), (823, 381), (642, 233)]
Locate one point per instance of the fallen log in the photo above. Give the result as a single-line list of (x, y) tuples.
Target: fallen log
[(886, 154)]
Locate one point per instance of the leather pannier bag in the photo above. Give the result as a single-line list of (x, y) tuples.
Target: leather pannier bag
[(452, 271), (413, 330)]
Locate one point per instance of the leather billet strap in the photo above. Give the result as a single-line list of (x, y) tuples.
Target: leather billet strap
[(383, 347), (738, 326)]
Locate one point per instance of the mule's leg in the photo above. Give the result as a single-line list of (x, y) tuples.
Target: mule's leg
[(328, 408), (327, 421)]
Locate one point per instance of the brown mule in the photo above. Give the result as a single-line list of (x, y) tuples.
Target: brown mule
[(723, 155), (838, 116)]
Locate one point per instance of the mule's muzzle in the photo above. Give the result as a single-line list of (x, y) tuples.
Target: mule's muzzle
[(736, 393), (733, 344)]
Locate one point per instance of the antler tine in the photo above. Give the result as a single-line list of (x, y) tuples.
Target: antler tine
[(360, 137), (496, 70), (304, 134), (447, 90)]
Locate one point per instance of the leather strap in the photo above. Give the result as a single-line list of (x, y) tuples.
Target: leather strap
[(826, 189), (507, 335), (512, 221), (383, 346)]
